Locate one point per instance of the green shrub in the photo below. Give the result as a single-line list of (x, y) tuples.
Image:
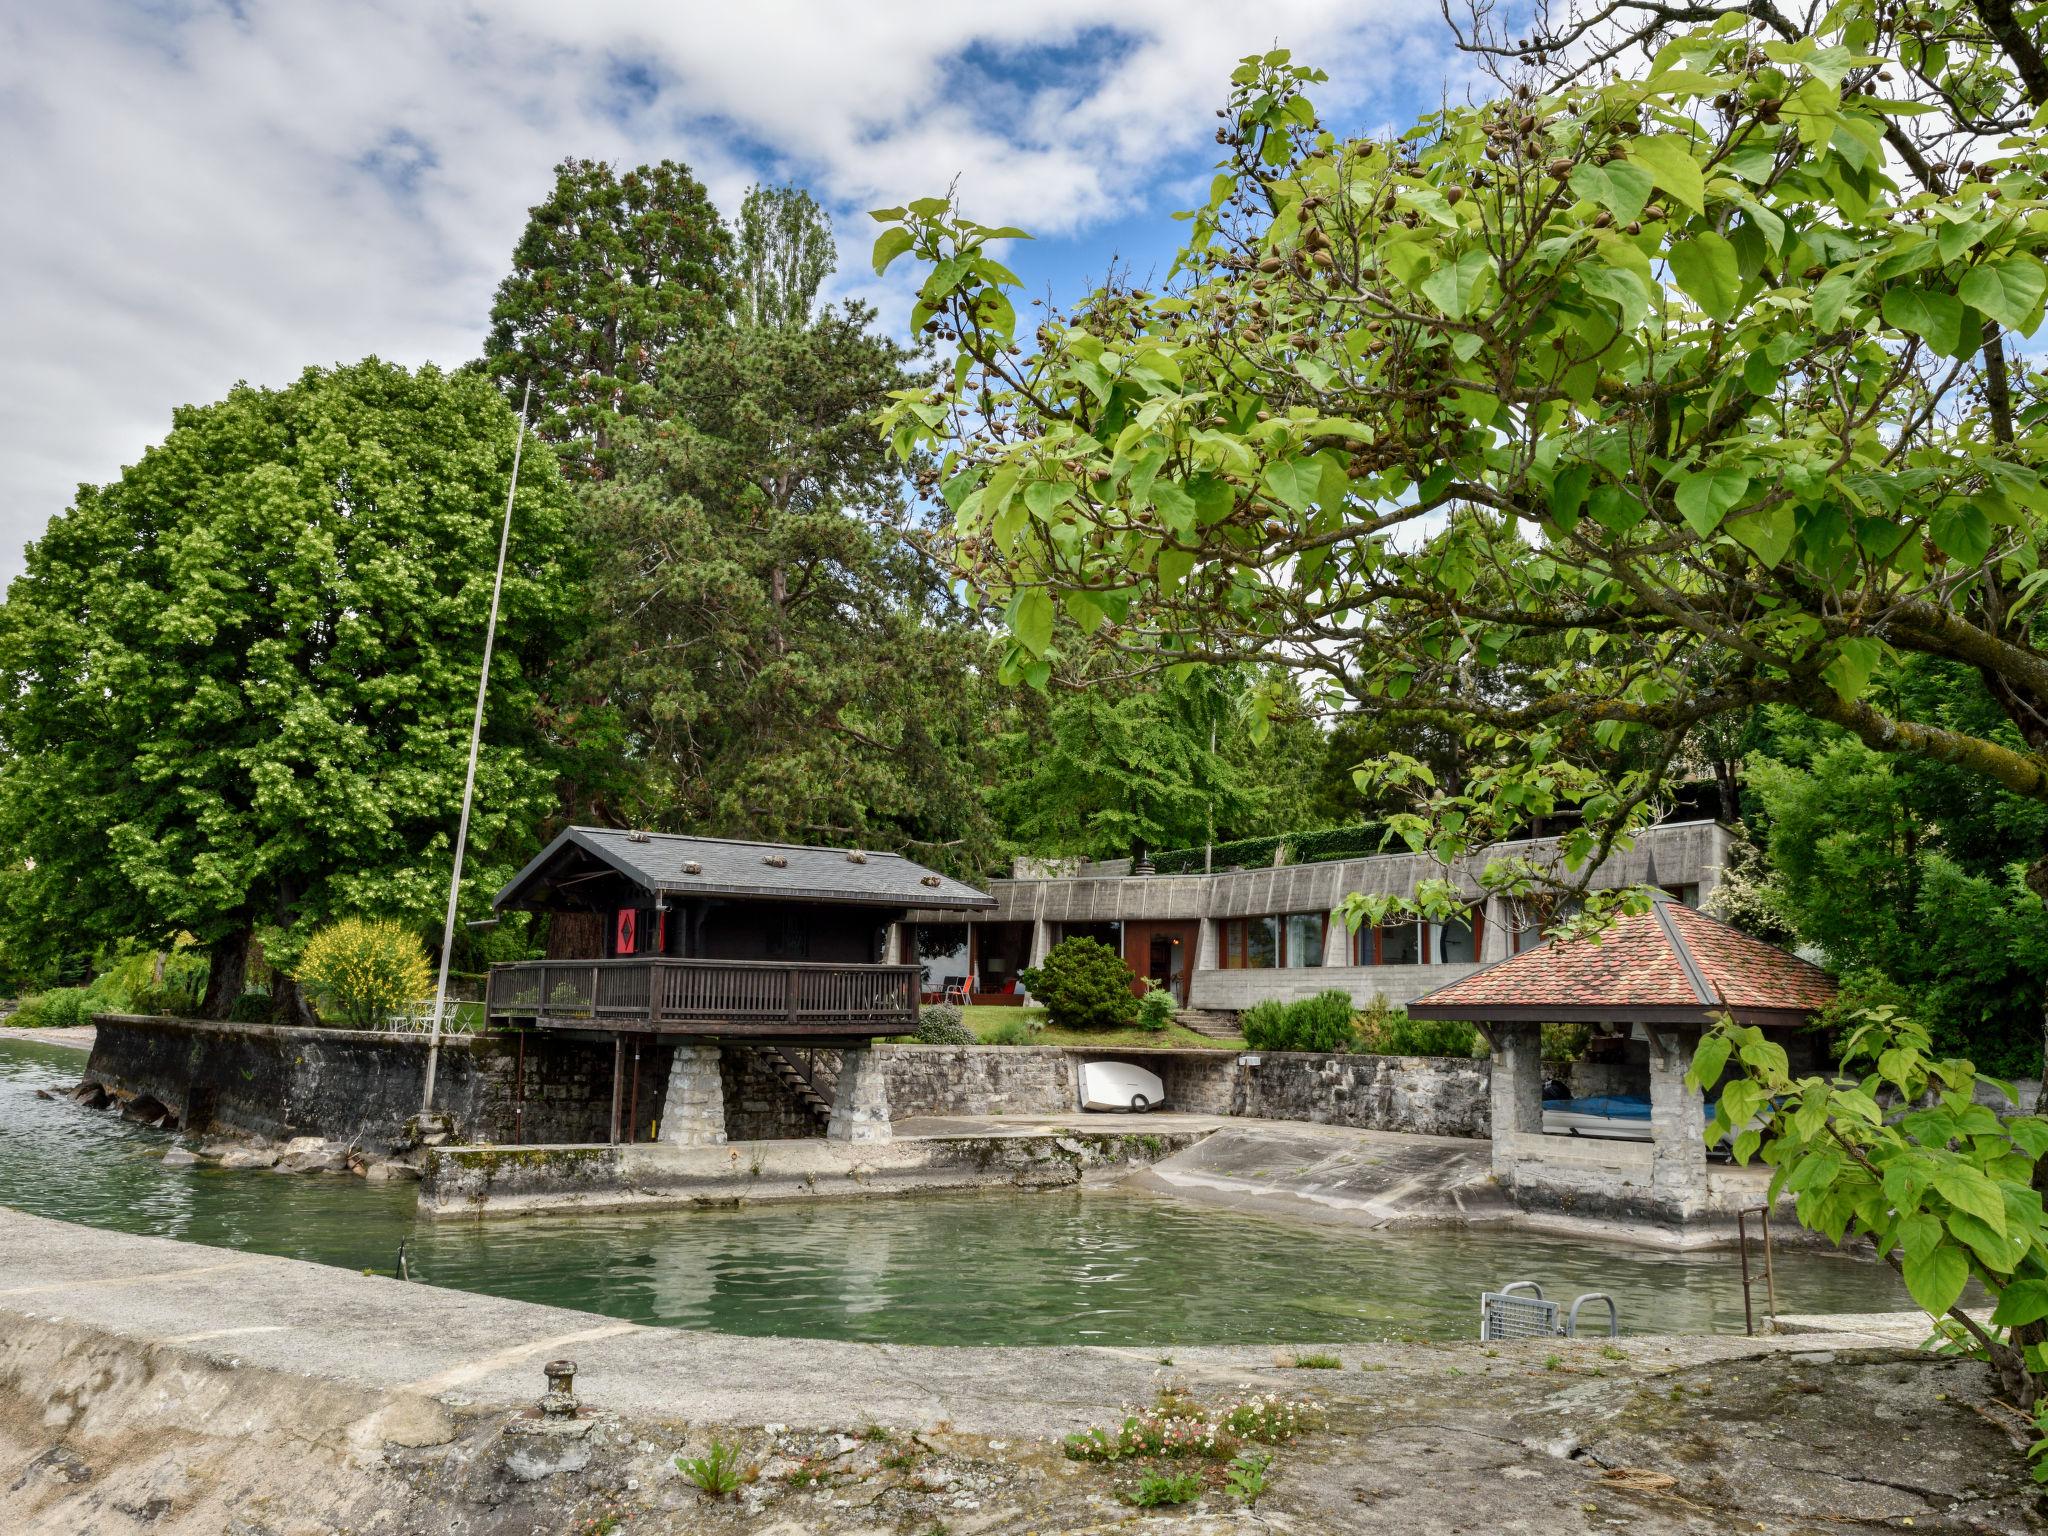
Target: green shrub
[(1264, 1025), (940, 1025), (1084, 984), (1390, 1032), (250, 1008), (718, 1473), (1156, 1009), (1319, 1023), (1012, 1031), (1357, 842), (361, 969), (59, 1008), (1246, 853)]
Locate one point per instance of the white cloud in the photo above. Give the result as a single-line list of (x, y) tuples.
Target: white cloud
[(201, 193)]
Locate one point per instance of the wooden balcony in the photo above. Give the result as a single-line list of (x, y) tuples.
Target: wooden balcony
[(759, 999)]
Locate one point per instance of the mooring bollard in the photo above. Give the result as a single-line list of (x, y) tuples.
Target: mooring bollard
[(559, 1401)]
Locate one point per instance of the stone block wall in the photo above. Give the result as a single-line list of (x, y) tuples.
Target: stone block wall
[(758, 1106), (268, 1081), (363, 1087), (978, 1080), (1427, 1095)]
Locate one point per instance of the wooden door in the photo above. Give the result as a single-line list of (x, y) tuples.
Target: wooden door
[(1163, 954)]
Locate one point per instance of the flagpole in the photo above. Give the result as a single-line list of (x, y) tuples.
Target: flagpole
[(476, 734)]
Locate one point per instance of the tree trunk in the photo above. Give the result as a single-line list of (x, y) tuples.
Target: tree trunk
[(227, 974), (288, 1003)]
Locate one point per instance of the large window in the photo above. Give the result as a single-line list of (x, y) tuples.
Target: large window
[(1416, 943), (1455, 943), (1290, 941)]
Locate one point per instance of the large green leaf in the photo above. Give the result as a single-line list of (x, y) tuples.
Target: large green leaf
[(2022, 1302), (1455, 287), (1668, 158), (1934, 316), (1767, 531), (1968, 1190), (1706, 269), (1031, 619), (890, 244), (1619, 187), (2009, 291), (1937, 1277), (1704, 497)]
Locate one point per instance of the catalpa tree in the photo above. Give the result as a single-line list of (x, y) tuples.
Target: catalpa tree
[(1681, 392)]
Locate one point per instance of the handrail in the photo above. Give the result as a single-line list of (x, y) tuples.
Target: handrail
[(661, 989)]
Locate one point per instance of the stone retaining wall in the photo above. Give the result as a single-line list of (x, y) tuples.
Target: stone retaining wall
[(1430, 1095), (362, 1087)]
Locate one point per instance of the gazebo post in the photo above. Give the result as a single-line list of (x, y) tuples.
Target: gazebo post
[(1678, 1122), (1517, 1088)]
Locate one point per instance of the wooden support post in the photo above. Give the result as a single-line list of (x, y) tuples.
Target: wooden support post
[(519, 1095), (633, 1110), (618, 1068)]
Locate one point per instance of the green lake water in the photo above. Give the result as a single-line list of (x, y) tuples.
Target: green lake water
[(1095, 1266)]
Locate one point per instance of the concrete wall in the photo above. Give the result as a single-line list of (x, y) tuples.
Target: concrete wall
[(1428, 1095)]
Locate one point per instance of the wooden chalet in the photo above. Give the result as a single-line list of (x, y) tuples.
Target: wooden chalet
[(651, 933)]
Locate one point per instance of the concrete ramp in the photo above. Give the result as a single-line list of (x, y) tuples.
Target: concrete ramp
[(1333, 1173)]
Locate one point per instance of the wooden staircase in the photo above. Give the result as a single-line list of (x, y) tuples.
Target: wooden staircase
[(792, 1077), (1216, 1026)]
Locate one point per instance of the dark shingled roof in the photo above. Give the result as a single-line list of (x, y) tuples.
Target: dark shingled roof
[(1670, 964), (660, 861)]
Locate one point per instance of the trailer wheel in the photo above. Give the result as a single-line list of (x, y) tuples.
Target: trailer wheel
[(1140, 1104)]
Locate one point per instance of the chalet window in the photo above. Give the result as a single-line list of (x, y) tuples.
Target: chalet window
[(1450, 943), (1289, 941)]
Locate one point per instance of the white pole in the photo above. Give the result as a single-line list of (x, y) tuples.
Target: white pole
[(476, 734)]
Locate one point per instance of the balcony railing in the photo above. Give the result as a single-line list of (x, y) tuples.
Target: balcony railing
[(754, 997)]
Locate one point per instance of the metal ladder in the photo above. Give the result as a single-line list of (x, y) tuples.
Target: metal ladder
[(1518, 1311)]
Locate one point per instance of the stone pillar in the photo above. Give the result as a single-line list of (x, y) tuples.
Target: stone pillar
[(1206, 945), (860, 1099), (1678, 1123), (1041, 940), (693, 1114), (1517, 1095), (1517, 1081)]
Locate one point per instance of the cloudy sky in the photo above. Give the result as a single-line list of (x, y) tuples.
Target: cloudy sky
[(201, 191)]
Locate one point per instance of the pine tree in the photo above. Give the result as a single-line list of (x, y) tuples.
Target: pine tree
[(610, 272)]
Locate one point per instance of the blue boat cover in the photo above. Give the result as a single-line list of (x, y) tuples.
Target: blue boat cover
[(1608, 1106)]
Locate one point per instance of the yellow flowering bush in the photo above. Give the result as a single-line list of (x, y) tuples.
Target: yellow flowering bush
[(359, 969)]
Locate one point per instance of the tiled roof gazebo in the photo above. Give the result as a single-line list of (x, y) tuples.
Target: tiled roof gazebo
[(1664, 975)]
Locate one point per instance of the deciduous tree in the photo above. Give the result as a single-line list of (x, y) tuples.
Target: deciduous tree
[(236, 683), (1706, 324)]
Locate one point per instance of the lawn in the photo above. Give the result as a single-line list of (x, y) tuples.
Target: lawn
[(985, 1017)]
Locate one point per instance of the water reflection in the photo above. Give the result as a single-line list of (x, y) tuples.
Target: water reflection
[(1067, 1267)]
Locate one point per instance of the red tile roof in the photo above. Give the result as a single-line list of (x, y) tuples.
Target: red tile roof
[(1668, 963)]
